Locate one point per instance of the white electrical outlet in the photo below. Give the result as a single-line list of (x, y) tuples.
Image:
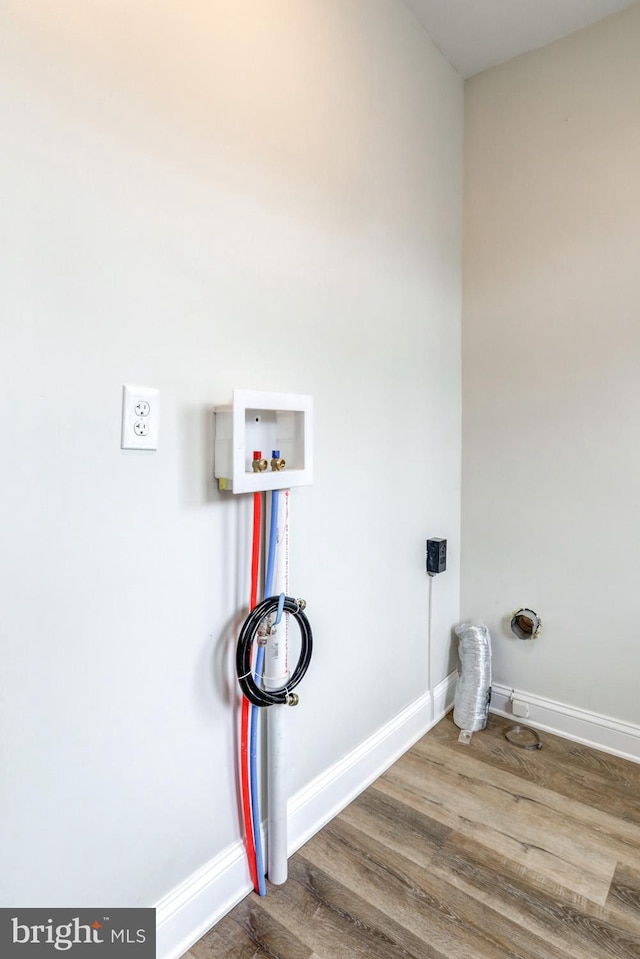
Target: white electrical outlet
[(140, 418)]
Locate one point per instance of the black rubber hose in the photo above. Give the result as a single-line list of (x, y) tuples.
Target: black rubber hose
[(271, 697)]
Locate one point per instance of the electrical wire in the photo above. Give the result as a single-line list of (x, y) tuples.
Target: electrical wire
[(430, 653), (249, 631), (245, 785)]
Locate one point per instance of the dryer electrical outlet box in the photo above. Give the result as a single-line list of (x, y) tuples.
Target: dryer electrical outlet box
[(265, 422), (436, 556)]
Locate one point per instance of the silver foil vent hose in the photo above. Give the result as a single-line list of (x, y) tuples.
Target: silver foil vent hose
[(473, 692)]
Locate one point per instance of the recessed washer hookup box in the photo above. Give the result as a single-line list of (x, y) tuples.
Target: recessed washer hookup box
[(263, 422)]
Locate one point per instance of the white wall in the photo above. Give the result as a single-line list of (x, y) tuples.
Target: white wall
[(551, 463), (197, 196)]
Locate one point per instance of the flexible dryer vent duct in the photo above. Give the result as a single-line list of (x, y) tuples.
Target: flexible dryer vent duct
[(473, 692)]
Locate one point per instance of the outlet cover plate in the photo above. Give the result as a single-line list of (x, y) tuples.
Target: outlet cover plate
[(140, 418), (520, 708)]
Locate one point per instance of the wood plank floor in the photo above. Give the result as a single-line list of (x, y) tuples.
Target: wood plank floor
[(484, 851)]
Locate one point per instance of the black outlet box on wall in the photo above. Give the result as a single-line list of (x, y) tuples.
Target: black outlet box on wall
[(436, 556)]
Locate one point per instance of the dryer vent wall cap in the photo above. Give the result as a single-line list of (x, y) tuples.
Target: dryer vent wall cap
[(525, 624)]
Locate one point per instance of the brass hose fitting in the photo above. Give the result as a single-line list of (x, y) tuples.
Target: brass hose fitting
[(292, 699), (278, 464), (260, 465)]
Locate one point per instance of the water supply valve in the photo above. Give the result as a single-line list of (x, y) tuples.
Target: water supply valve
[(259, 463), (277, 463)]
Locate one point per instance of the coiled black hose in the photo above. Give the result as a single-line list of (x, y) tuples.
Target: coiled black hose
[(271, 697)]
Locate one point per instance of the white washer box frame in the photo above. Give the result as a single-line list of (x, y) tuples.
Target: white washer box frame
[(236, 439)]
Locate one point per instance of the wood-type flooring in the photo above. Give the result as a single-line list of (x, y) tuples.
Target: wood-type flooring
[(485, 851)]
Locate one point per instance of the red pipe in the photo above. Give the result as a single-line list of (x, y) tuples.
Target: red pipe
[(244, 715), (246, 796)]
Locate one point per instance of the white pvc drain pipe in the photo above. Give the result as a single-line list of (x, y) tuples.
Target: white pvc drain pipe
[(276, 675)]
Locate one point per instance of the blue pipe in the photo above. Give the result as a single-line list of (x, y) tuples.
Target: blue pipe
[(273, 533), (280, 609), (255, 710), (253, 780)]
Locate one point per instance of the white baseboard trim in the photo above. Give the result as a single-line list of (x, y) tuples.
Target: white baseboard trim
[(591, 729), (193, 907), (316, 804)]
